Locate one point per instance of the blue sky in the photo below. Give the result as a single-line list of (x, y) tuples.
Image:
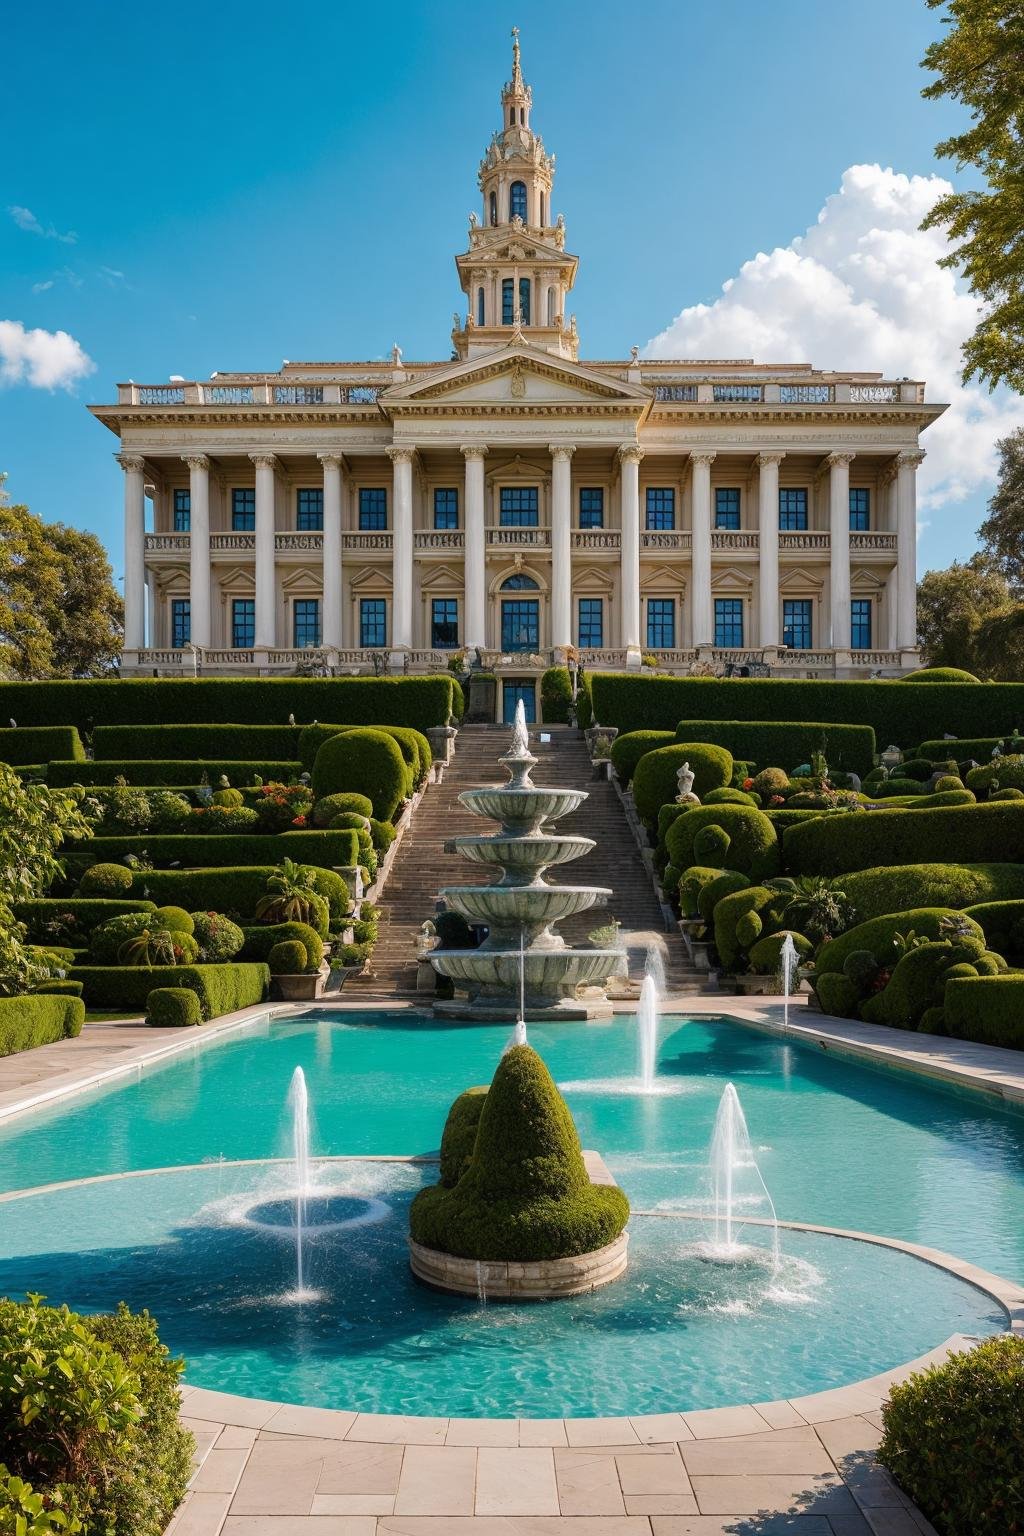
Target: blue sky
[(246, 183)]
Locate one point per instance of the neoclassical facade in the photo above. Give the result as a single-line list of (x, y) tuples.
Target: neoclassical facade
[(516, 501)]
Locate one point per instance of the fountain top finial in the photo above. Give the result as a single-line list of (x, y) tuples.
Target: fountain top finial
[(519, 759)]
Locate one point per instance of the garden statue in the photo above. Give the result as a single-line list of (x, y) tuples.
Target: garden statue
[(684, 779)]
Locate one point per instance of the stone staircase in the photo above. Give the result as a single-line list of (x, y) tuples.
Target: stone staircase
[(423, 868)]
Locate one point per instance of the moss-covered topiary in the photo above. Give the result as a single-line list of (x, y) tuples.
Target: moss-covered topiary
[(837, 995), (765, 957), (627, 750), (459, 1136), (753, 848), (525, 1195), (711, 845), (105, 880), (174, 918), (655, 783), (288, 958), (883, 889), (987, 1008), (712, 893)]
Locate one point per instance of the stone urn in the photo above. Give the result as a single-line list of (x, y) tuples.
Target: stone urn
[(303, 987)]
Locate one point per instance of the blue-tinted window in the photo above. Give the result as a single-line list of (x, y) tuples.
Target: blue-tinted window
[(518, 506), (243, 623), (182, 511), (661, 507), (444, 623), (479, 306), (508, 301), (591, 623), (727, 507), (373, 507), (243, 508), (446, 507), (520, 624), (309, 510), (524, 300), (181, 622), (306, 623), (792, 509), (591, 506), (729, 622), (860, 624), (517, 201), (661, 623), (796, 623), (373, 622), (860, 509), (492, 207), (519, 583)]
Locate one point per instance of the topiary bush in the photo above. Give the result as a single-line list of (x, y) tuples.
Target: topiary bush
[(1006, 794), (1003, 924), (229, 797), (729, 796), (769, 782), (917, 983), (733, 933), (832, 845), (629, 749), (173, 1008), (875, 892), (366, 762), (767, 741), (288, 958), (765, 957), (939, 675), (26, 1022), (526, 1195), (259, 942), (949, 781), (174, 918), (329, 806), (713, 891), (106, 939), (459, 1136), (953, 1438), (655, 783), (220, 988), (692, 883), (986, 1008), (838, 995), (711, 844), (105, 880), (862, 968), (217, 936), (878, 935), (1001, 773), (753, 846)]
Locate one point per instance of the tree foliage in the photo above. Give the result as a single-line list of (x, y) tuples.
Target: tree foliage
[(978, 64), (60, 613), (1002, 532), (953, 606), (34, 821)]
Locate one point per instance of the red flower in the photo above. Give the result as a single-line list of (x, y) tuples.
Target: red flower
[(748, 783)]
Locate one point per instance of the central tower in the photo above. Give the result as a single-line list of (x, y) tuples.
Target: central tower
[(516, 274)]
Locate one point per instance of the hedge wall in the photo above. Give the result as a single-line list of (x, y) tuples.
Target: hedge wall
[(877, 934), (173, 774), (327, 850), (418, 701), (963, 747), (220, 988), (37, 744), (26, 1022), (986, 1008), (900, 712), (165, 742), (833, 845), (789, 744), (232, 890), (89, 910), (895, 888)]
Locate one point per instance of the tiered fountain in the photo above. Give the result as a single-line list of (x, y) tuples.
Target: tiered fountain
[(522, 957)]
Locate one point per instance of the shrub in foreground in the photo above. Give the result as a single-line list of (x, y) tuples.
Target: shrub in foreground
[(525, 1194), (173, 1008), (37, 1020), (953, 1438), (986, 1008)]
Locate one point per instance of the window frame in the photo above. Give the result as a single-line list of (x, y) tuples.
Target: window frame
[(660, 623), (728, 518), (860, 516), (857, 622), (515, 188), (797, 511), (665, 516), (181, 622), (378, 623), (249, 622), (309, 644), (446, 518), (243, 517), (181, 510), (303, 515), (521, 516), (449, 621), (729, 625), (801, 625), (590, 517), (590, 623), (368, 516)]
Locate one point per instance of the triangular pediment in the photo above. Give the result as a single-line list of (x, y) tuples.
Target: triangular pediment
[(660, 578), (517, 375), (800, 579), (731, 579), (444, 578), (372, 577)]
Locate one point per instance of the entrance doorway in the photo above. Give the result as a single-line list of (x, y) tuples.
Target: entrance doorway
[(512, 692)]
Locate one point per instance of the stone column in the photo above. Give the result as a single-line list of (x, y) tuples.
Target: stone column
[(561, 546), (134, 550), (199, 548), (266, 580), (700, 550), (474, 633), (768, 546), (401, 565), (839, 549), (331, 550), (906, 529), (630, 455)]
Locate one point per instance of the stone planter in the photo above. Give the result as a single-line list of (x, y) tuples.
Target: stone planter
[(302, 988), (506, 1280)]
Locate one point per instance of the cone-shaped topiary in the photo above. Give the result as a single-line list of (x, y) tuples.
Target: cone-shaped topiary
[(526, 1194), (459, 1136)]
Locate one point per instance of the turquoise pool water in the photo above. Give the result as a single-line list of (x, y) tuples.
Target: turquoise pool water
[(838, 1144)]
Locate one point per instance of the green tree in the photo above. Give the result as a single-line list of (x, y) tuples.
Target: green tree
[(978, 63), (953, 605), (1002, 532), (34, 822), (60, 613)]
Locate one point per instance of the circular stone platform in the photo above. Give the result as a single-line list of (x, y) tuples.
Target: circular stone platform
[(498, 1279)]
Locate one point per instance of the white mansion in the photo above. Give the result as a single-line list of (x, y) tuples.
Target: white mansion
[(515, 501)]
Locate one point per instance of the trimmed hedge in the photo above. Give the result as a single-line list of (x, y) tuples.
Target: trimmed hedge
[(234, 889), (940, 675), (963, 747), (753, 848), (26, 1022), (366, 762), (970, 834), (896, 888), (629, 749), (787, 744), (174, 773), (260, 941), (25, 746), (115, 742), (173, 1008), (877, 935), (655, 783), (89, 911), (898, 711), (1003, 922), (326, 849), (740, 920), (415, 747), (421, 702), (220, 988), (986, 1008)]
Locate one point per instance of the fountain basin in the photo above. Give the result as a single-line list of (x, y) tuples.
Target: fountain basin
[(515, 906), (505, 1280), (521, 810), (551, 977), (522, 857)]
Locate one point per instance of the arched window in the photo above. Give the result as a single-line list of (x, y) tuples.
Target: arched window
[(520, 583), (479, 306), (517, 200), (494, 208)]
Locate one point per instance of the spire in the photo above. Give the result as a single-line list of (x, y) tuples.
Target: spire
[(516, 96), (517, 73)]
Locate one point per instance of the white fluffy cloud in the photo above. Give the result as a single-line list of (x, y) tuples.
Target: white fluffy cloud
[(42, 359), (862, 289)]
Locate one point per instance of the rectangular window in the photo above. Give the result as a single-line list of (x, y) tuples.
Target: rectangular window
[(520, 624), (591, 627), (181, 622), (661, 623), (373, 508), (661, 508), (373, 622), (243, 509), (243, 623), (727, 507), (508, 301), (444, 623), (182, 511), (309, 510), (591, 506), (729, 622), (792, 510), (446, 507), (860, 510), (518, 506), (796, 623), (860, 624), (306, 623), (524, 301)]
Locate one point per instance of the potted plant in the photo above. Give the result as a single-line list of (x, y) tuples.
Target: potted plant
[(293, 980)]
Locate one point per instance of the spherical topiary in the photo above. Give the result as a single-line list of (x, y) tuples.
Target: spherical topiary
[(629, 748), (173, 1008), (102, 880), (219, 939), (713, 892), (526, 1194), (352, 820), (770, 781), (939, 675), (459, 1136), (765, 957), (711, 845), (862, 968), (748, 929), (837, 995), (288, 958), (753, 849), (949, 781), (932, 1022), (232, 797), (729, 796), (174, 918), (691, 883), (260, 941), (655, 783), (364, 761), (325, 809)]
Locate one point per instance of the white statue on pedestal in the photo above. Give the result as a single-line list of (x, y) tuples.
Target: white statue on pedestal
[(684, 779)]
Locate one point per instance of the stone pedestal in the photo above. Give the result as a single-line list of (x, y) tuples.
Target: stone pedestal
[(505, 1280)]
